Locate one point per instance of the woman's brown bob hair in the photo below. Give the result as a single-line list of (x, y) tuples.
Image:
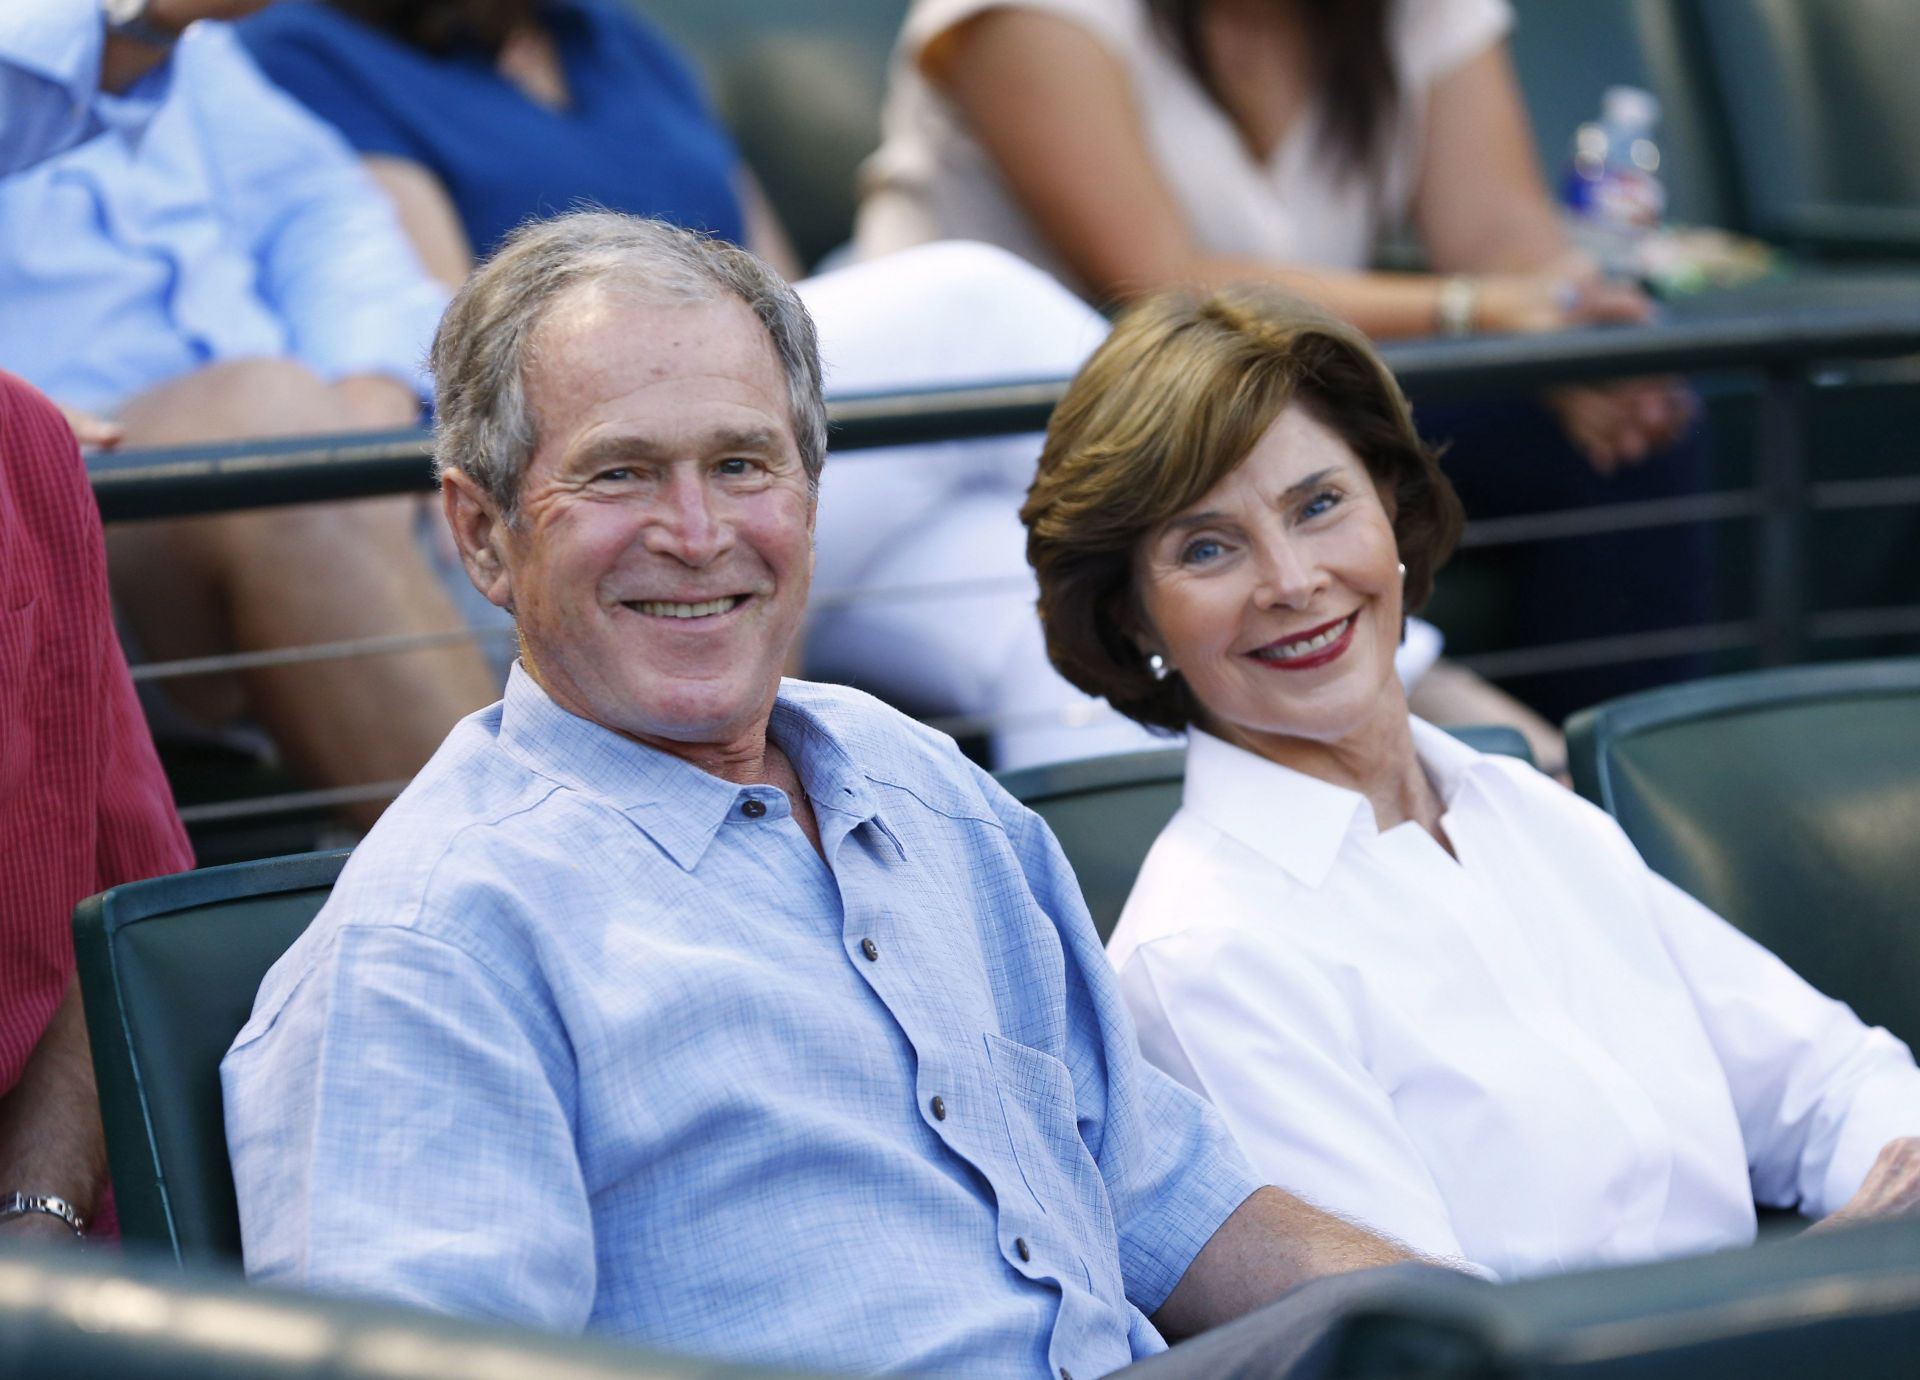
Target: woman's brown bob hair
[(1167, 408)]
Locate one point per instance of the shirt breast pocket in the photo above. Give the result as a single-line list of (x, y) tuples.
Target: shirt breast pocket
[(17, 629), (1036, 1097)]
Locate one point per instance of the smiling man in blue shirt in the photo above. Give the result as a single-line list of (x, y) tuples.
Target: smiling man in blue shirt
[(674, 1000)]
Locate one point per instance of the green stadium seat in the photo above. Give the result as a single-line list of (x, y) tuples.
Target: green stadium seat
[(1843, 1303), (1107, 811), (1789, 802), (1822, 119), (168, 971), (800, 86), (81, 1315)]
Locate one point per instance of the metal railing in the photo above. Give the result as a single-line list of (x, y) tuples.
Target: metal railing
[(1783, 348)]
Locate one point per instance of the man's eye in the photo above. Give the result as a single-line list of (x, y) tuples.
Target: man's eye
[(1200, 551), (618, 473), (736, 466)]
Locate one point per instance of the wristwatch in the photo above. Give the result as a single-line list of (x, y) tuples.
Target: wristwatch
[(20, 1204), (128, 18)]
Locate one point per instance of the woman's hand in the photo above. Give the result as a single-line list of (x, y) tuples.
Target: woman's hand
[(1615, 424), (1612, 424), (1892, 1188), (1556, 301)]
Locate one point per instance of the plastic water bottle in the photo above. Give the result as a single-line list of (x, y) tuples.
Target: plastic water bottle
[(1613, 192)]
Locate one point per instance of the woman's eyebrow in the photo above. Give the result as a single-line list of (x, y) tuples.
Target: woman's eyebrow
[(1187, 521)]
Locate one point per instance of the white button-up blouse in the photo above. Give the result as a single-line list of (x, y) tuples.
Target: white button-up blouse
[(1539, 1057)]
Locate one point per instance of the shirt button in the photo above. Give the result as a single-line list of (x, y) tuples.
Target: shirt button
[(753, 809), (1020, 1248), (939, 1109), (870, 949), (1065, 1374)]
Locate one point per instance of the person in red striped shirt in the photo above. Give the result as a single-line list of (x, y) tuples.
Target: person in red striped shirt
[(83, 806)]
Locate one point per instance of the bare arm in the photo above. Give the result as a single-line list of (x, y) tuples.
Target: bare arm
[(427, 215), (50, 1138), (1481, 204), (1056, 112), (377, 402), (123, 61), (1271, 1243)]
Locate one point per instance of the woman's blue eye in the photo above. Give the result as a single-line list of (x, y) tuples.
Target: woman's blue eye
[(1199, 552), (1320, 503)]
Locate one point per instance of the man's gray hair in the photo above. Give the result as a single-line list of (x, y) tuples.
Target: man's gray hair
[(485, 342)]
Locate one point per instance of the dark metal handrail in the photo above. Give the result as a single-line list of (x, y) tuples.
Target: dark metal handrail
[(187, 480)]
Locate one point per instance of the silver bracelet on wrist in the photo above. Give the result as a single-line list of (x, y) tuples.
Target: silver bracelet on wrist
[(1454, 310), (21, 1204)]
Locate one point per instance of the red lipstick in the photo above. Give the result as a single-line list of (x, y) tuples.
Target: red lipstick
[(1320, 656)]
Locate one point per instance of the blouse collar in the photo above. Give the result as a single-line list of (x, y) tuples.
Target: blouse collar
[(1295, 820)]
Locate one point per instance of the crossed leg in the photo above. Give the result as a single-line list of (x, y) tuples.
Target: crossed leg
[(283, 577)]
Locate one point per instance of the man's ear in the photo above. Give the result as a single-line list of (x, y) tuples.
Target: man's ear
[(481, 534)]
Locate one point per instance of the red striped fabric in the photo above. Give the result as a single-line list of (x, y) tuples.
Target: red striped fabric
[(83, 804)]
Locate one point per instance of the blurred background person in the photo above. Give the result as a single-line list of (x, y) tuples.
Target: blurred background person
[(196, 258), (1127, 145), (83, 807), (1426, 988)]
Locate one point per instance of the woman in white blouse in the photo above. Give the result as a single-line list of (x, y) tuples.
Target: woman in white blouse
[(1428, 989)]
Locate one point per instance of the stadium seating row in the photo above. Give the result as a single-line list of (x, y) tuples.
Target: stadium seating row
[(1786, 799)]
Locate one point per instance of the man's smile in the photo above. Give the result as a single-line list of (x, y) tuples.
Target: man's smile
[(707, 608)]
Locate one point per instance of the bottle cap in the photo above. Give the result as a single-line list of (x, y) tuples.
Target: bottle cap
[(1630, 107)]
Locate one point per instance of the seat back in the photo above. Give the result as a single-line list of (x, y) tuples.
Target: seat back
[(1822, 115), (800, 87), (1107, 811), (1789, 802), (81, 1315), (1844, 1303), (168, 971)]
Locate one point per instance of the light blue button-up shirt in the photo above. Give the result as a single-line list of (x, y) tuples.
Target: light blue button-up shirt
[(203, 216), (589, 1039)]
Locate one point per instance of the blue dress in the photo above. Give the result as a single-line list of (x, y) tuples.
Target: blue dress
[(638, 136)]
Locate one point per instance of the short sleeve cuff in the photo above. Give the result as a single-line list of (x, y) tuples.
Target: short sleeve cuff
[(392, 342), (1115, 26), (1161, 1242), (1437, 36)]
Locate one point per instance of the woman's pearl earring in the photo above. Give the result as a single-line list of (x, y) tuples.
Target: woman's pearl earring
[(1403, 570), (1157, 666)]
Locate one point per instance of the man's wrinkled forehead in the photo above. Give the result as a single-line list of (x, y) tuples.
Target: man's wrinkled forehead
[(631, 305)]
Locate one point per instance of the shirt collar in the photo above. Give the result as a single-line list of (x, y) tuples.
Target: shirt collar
[(1290, 818), (677, 805)]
